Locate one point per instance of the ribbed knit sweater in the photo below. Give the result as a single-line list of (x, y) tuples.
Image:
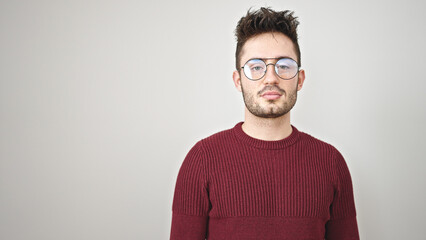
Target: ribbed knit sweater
[(233, 186)]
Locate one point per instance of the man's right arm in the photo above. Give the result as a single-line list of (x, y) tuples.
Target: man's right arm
[(191, 202)]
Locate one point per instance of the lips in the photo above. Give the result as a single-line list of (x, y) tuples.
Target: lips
[(271, 93)]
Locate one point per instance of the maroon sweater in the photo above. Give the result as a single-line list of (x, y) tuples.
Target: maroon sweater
[(234, 186)]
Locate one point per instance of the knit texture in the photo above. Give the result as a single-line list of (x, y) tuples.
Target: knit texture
[(233, 186)]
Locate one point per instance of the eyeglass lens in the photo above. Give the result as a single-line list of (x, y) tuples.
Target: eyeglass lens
[(255, 69)]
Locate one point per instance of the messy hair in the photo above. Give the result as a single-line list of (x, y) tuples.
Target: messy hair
[(266, 20)]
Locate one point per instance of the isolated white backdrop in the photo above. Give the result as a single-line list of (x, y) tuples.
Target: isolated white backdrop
[(101, 100)]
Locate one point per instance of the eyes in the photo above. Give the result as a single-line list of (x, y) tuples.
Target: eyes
[(259, 67), (285, 68)]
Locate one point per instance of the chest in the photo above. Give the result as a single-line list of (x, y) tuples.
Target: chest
[(271, 185)]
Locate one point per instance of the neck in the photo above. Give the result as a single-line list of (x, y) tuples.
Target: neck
[(268, 129)]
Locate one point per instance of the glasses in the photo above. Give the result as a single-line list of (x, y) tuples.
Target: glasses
[(255, 69)]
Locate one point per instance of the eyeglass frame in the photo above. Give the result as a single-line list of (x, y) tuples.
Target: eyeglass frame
[(274, 64)]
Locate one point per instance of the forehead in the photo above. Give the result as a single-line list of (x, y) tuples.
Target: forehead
[(268, 45)]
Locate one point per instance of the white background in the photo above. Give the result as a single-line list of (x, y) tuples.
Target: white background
[(100, 101)]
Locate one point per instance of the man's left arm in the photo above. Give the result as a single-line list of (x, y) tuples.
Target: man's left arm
[(343, 223)]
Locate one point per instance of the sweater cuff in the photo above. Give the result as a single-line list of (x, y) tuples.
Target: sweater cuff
[(188, 227), (342, 229)]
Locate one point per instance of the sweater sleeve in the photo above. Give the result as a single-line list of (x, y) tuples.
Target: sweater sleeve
[(342, 224), (191, 201)]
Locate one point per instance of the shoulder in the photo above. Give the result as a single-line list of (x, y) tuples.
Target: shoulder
[(326, 151), (337, 160), (210, 143), (217, 139), (314, 143)]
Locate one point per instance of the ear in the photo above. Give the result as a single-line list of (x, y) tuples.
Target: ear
[(301, 79), (237, 80)]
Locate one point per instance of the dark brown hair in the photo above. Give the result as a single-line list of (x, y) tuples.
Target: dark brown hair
[(262, 21)]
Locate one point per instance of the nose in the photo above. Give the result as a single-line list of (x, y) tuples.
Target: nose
[(270, 75)]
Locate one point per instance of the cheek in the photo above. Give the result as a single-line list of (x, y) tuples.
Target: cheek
[(250, 87), (289, 86)]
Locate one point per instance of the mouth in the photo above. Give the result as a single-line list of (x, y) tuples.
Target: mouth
[(271, 95)]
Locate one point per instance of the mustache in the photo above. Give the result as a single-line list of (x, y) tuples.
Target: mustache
[(272, 88)]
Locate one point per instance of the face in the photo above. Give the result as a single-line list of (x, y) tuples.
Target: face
[(268, 45)]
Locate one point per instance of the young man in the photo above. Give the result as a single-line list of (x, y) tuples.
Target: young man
[(263, 178)]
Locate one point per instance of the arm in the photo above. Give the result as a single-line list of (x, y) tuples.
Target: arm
[(342, 224), (191, 202)]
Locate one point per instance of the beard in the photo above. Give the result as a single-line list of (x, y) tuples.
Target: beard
[(271, 110)]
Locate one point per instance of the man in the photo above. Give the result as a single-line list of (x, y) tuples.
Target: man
[(263, 178)]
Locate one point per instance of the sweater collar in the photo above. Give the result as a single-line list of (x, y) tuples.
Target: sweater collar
[(258, 143)]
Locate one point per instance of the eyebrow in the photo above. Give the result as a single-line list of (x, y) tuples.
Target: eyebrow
[(279, 57)]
